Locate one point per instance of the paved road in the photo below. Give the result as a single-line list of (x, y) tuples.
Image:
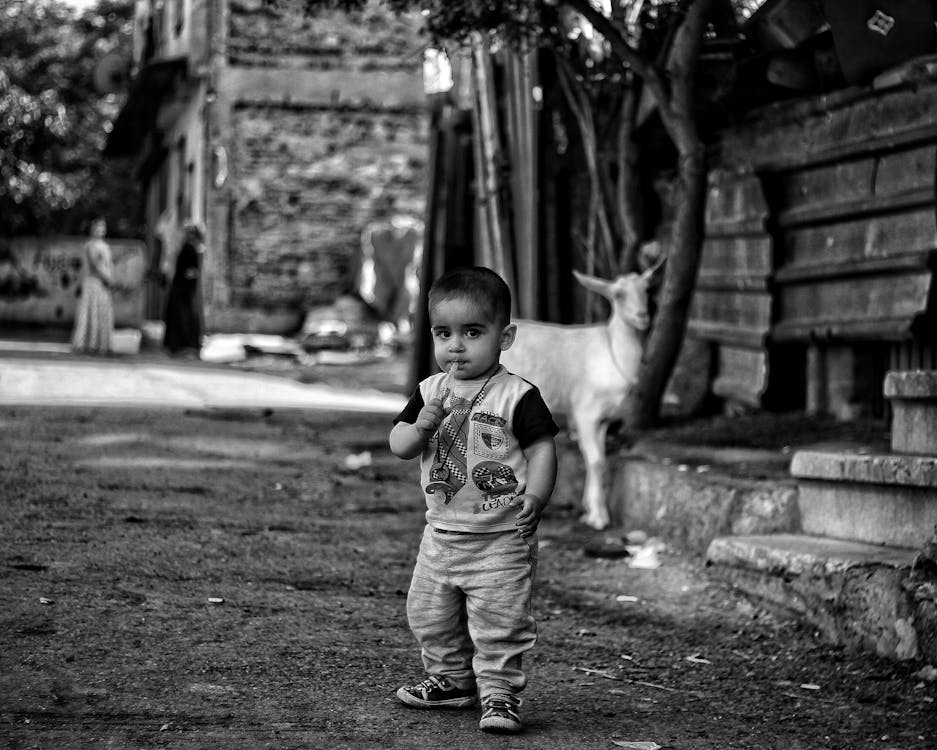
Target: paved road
[(46, 374)]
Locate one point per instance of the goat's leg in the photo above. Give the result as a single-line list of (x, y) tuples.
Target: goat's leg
[(592, 432)]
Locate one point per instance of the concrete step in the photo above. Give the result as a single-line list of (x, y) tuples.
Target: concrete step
[(689, 495), (913, 398), (862, 596), (874, 498)]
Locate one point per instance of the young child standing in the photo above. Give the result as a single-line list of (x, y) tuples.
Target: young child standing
[(488, 464)]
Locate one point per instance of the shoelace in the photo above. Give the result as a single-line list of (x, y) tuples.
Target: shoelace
[(502, 703), (430, 683)]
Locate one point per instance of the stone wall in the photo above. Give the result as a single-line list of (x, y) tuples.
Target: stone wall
[(264, 34), (327, 132)]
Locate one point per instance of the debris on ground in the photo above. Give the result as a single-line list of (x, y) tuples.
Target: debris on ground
[(357, 461), (647, 555), (599, 672), (348, 323), (610, 547)]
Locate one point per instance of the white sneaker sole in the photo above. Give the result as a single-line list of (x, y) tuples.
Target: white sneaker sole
[(499, 725), (411, 700)]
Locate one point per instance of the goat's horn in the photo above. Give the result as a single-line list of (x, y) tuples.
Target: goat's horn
[(649, 272)]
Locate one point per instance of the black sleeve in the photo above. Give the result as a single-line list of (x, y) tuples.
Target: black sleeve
[(532, 419), (412, 409)]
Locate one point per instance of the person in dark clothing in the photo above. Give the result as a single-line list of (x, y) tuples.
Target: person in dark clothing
[(183, 334)]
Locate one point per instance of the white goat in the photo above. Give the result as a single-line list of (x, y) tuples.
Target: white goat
[(585, 372)]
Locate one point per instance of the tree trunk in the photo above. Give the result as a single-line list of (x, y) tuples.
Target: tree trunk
[(666, 337), (677, 114), (673, 93), (600, 241), (628, 199)]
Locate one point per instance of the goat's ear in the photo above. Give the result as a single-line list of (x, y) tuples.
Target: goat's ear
[(594, 284), (508, 334)]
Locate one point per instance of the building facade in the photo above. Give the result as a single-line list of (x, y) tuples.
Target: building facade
[(285, 134)]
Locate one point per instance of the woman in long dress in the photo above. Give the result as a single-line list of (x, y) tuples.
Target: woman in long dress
[(94, 317), (183, 334)]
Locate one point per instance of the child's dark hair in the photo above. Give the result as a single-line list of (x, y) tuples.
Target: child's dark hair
[(477, 283)]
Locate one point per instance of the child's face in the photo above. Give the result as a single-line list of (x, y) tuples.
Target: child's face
[(465, 335)]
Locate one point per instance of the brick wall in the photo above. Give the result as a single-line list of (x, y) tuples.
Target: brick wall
[(309, 180), (322, 145), (264, 34)]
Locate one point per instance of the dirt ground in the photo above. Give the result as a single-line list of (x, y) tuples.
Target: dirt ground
[(230, 580)]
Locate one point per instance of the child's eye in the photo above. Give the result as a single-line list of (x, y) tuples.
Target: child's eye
[(473, 333), (442, 335)]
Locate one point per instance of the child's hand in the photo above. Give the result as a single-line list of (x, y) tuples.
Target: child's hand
[(430, 416), (528, 519)]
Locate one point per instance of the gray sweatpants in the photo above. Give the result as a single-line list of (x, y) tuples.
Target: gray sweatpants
[(469, 607)]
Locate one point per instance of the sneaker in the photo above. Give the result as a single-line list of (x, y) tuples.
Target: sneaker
[(437, 692), (499, 714)]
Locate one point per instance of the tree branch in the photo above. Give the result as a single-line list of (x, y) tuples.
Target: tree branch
[(582, 111), (624, 51)]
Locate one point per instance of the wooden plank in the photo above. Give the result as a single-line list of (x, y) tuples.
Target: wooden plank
[(732, 304), (846, 124), (828, 185), (746, 310), (860, 267), (816, 214), (863, 307), (727, 334), (728, 282), (870, 237), (882, 329), (735, 198), (742, 374), (905, 171), (877, 183), (749, 256)]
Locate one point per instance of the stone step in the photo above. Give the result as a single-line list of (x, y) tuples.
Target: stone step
[(689, 495), (913, 398), (862, 596), (874, 498)]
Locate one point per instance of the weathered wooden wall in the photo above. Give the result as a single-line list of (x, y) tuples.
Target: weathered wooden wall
[(835, 251), (732, 304)]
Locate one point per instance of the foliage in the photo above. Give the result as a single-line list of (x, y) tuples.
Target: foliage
[(53, 124)]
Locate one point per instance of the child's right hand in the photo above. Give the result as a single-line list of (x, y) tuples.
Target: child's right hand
[(430, 416)]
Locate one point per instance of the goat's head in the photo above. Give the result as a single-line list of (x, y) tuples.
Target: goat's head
[(627, 293)]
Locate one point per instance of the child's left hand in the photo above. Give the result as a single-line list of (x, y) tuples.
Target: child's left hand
[(528, 519)]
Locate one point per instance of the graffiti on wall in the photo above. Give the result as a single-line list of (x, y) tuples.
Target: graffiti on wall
[(40, 279)]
